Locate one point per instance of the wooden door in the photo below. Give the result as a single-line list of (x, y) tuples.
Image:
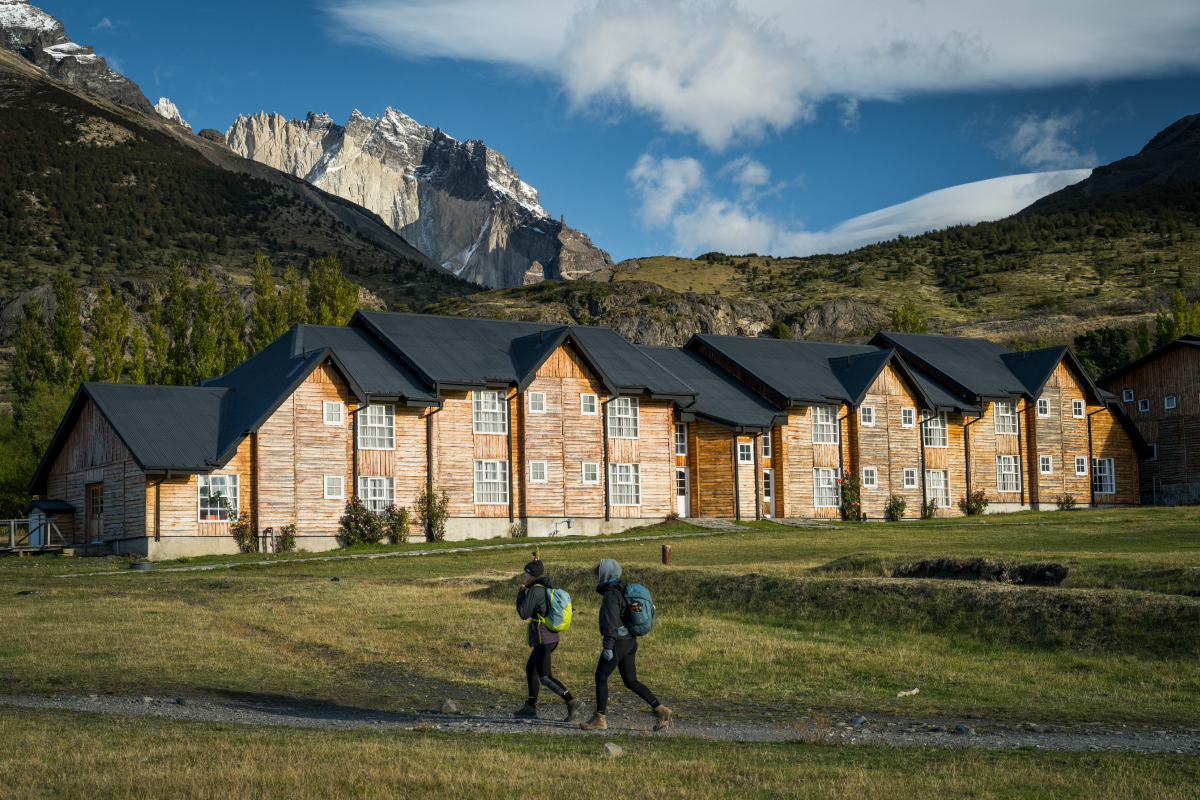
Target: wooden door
[(94, 523)]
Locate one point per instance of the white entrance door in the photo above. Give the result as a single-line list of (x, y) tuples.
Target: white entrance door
[(683, 504), (769, 492)]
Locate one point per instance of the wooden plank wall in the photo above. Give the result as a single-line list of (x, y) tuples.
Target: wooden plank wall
[(1060, 436), (888, 446), (710, 449), (180, 499)]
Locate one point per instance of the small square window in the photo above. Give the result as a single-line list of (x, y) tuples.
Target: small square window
[(335, 487), (591, 472), (1047, 465), (745, 453), (588, 404), (332, 412), (1127, 395), (537, 471), (1080, 465), (1143, 405), (870, 478), (908, 417), (910, 479), (537, 402), (1153, 452), (1043, 407), (1077, 409), (1169, 402), (867, 415)]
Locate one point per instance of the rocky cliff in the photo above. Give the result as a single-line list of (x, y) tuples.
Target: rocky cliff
[(40, 39), (460, 203), (170, 112)]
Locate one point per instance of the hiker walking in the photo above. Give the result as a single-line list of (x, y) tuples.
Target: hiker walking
[(619, 647), (533, 604)]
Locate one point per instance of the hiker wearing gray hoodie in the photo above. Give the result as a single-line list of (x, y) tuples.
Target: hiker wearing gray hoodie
[(619, 649)]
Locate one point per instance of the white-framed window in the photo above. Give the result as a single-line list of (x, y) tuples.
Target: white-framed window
[(1153, 452), (935, 431), (745, 453), (1080, 465), (537, 471), (680, 439), (937, 487), (1077, 409), (491, 482), (590, 472), (1127, 395), (625, 487), (588, 405), (332, 412), (1008, 474), (1169, 401), (910, 479), (1005, 416), (870, 478), (1046, 465), (1104, 481), (766, 445), (908, 417), (489, 412), (218, 498), (825, 488), (866, 415), (377, 427), (377, 493), (537, 402), (824, 425), (623, 418), (1143, 405), (335, 487), (1043, 407)]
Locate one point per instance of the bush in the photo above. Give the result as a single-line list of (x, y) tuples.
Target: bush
[(780, 330), (974, 504), (244, 534), (851, 497), (285, 539), (395, 524), (1066, 502), (434, 508), (895, 508), (359, 525), (929, 510)]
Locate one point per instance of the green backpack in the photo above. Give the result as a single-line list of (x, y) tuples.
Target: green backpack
[(558, 618)]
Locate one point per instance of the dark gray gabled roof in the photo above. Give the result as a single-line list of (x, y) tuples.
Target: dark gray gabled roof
[(1034, 368), (1188, 340), (973, 368), (797, 372), (369, 364), (720, 398), (471, 352)]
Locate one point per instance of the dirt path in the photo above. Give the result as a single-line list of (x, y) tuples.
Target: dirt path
[(628, 719)]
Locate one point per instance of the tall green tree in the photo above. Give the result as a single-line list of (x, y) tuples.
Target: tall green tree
[(32, 363), (295, 311), (137, 357), (208, 322), (157, 364), (176, 315), (1102, 350), (1144, 345), (67, 331), (110, 334), (268, 317), (332, 298), (233, 331), (1184, 318), (906, 319)]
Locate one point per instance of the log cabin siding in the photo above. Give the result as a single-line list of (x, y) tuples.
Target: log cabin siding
[(888, 446), (179, 500)]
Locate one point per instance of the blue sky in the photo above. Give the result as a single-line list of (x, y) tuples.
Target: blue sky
[(679, 126)]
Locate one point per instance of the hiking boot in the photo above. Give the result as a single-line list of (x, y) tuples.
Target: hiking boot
[(574, 709), (526, 712), (662, 716), (596, 723)]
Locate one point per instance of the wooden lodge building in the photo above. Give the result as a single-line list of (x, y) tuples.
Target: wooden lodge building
[(525, 425), (1161, 392)]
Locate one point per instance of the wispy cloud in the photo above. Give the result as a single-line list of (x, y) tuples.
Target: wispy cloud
[(104, 24), (1044, 143)]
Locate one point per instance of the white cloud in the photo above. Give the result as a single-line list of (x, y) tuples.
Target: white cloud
[(729, 69), (1041, 143), (749, 175), (850, 113), (104, 24), (677, 195)]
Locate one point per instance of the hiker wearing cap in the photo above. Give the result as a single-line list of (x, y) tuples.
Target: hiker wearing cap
[(619, 648), (533, 604)]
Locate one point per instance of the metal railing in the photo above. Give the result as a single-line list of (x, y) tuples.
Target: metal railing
[(23, 534)]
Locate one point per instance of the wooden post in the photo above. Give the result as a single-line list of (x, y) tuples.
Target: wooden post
[(666, 554)]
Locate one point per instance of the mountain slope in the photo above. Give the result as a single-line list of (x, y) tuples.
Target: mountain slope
[(458, 202)]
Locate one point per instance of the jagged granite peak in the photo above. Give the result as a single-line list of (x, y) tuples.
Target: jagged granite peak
[(170, 112), (460, 203), (41, 40)]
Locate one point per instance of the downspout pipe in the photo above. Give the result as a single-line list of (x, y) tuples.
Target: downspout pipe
[(757, 476), (508, 426), (429, 461), (737, 480), (924, 482), (158, 506), (604, 438)]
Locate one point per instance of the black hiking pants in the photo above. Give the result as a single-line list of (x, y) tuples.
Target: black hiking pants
[(624, 659), (539, 672)]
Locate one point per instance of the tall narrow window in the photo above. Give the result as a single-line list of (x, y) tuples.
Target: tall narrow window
[(870, 478), (1153, 452), (625, 488), (623, 418), (766, 445), (825, 489), (908, 417), (1077, 409), (332, 412), (867, 415), (1043, 407), (377, 427), (489, 412), (937, 485), (935, 430), (1103, 479), (680, 439), (824, 425), (1006, 416), (587, 405), (745, 453), (377, 493), (218, 498), (491, 482), (1008, 474), (537, 402)]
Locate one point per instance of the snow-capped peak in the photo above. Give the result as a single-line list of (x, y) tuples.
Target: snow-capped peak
[(168, 111), (20, 14)]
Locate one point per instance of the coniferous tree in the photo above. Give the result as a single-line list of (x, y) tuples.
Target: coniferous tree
[(1184, 319), (179, 369), (137, 358), (1143, 340), (294, 309), (67, 332), (907, 319), (157, 365), (332, 298), (268, 317), (208, 318), (110, 333), (32, 363), (233, 336)]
